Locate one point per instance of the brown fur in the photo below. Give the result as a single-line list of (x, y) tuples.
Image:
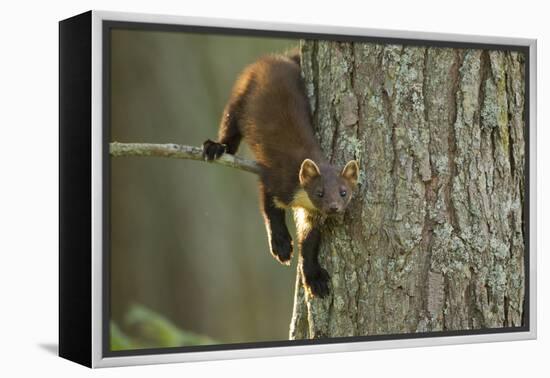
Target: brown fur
[(268, 107)]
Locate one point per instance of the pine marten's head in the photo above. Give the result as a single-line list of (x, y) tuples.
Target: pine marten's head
[(328, 188)]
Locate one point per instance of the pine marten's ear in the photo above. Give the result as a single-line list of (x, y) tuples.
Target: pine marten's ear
[(308, 171), (351, 172)]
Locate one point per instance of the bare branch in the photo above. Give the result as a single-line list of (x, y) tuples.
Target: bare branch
[(177, 151)]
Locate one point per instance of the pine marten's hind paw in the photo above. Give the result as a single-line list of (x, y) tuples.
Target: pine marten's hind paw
[(316, 282), (281, 248), (212, 150)]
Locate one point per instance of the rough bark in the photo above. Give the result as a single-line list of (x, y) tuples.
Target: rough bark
[(433, 239)]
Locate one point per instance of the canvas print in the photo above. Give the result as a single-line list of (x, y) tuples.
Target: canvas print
[(283, 189)]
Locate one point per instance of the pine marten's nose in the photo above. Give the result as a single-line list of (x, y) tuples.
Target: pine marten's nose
[(334, 208)]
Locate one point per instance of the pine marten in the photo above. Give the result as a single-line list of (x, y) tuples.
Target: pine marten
[(268, 107)]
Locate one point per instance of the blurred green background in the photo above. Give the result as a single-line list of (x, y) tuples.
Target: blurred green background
[(190, 262)]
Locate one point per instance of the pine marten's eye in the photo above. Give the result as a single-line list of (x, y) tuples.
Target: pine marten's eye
[(320, 194), (343, 193)]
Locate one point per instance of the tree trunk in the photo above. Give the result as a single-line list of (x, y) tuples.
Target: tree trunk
[(433, 239)]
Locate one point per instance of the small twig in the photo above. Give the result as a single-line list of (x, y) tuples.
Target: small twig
[(177, 151)]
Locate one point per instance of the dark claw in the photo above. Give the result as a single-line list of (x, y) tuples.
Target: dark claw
[(316, 282), (281, 248), (212, 150)]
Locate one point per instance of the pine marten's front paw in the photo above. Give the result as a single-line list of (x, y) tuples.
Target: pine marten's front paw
[(281, 248), (316, 281), (212, 150)]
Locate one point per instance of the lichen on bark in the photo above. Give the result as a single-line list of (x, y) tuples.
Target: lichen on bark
[(433, 238)]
